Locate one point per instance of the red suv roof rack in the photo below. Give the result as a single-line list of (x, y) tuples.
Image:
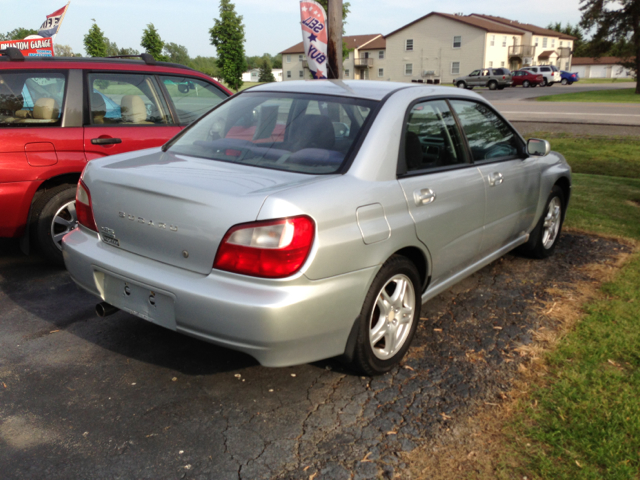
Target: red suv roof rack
[(13, 53), (146, 57)]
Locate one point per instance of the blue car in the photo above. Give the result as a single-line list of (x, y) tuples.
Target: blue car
[(567, 78)]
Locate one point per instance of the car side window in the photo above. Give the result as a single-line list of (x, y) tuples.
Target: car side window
[(126, 99), (489, 136), (475, 73), (192, 97), (31, 99), (432, 139)]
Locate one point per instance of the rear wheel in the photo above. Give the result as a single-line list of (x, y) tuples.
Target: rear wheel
[(526, 84), (544, 82), (492, 85), (389, 317), (564, 81), (54, 216)]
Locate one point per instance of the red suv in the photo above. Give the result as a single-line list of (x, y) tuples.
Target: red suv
[(58, 113)]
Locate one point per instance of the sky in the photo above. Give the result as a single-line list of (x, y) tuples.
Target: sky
[(270, 26)]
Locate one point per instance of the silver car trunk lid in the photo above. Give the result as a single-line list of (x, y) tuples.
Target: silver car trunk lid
[(176, 209)]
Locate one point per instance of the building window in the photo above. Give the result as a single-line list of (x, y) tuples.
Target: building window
[(490, 64), (408, 68), (502, 64), (300, 58), (544, 42), (301, 75), (408, 46), (566, 65), (457, 41), (493, 40), (561, 43), (381, 54), (504, 41), (288, 58), (288, 73), (381, 72), (455, 68), (537, 41), (346, 73), (553, 43)]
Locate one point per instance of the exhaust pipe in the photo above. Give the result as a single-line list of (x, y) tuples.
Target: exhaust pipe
[(104, 309)]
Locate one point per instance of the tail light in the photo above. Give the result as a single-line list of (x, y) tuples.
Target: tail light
[(269, 249), (84, 209)]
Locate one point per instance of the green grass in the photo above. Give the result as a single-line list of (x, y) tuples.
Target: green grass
[(623, 95), (244, 86), (582, 420), (606, 80)]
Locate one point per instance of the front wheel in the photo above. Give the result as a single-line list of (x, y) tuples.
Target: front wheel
[(543, 239), (389, 317), (54, 216), (461, 85)]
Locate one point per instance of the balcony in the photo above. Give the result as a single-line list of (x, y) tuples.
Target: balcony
[(564, 52), (363, 62), (521, 51)]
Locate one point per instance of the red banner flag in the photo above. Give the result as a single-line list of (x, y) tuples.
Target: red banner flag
[(314, 36)]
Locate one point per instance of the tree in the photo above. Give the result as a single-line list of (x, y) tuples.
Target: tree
[(345, 11), (579, 44), (112, 48), (128, 51), (206, 65), (617, 25), (266, 75), (152, 43), (95, 42), (227, 35), (17, 34), (277, 61), (61, 50), (177, 53)]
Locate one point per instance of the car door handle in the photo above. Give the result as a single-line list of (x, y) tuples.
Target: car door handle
[(496, 179), (424, 196), (105, 141)]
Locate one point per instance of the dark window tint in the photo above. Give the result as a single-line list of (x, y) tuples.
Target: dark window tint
[(192, 97), (488, 135), (432, 139), (545, 69), (31, 99), (126, 99)]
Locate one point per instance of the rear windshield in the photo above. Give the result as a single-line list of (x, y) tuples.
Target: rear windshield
[(31, 99), (300, 133)]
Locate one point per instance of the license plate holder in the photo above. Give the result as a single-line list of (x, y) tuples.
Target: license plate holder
[(141, 300)]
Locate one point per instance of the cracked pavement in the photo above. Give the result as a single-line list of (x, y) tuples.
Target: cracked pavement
[(84, 397)]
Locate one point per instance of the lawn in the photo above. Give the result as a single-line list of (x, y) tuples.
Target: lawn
[(623, 95), (582, 419), (606, 80)]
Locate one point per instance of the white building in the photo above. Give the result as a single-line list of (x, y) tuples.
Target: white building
[(603, 67), (254, 74)]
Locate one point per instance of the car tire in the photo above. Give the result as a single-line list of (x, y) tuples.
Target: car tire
[(570, 83), (492, 85), (544, 82), (526, 84), (385, 319), (544, 237), (461, 84), (564, 81), (54, 215)]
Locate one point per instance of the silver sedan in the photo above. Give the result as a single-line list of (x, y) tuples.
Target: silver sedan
[(305, 220)]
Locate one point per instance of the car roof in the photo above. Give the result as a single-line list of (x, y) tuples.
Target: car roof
[(369, 89), (90, 62)]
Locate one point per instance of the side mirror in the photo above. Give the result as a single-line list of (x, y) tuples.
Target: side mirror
[(538, 148)]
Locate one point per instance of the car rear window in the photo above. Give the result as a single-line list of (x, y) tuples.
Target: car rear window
[(31, 99), (302, 133)]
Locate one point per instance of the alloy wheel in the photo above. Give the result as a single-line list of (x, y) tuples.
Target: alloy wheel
[(63, 222), (551, 225)]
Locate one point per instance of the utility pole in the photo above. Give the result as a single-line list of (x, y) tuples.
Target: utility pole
[(334, 44)]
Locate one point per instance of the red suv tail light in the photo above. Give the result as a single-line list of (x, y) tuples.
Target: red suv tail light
[(84, 209), (269, 249)]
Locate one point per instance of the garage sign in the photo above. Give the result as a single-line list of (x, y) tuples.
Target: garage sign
[(36, 47)]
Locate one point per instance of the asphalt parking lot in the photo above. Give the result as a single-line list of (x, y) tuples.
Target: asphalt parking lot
[(83, 397)]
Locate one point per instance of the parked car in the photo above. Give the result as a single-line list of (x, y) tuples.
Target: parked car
[(58, 113), (567, 78), (549, 73), (526, 79), (494, 78), (316, 243)]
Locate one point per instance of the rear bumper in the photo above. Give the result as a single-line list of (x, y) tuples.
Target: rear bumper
[(278, 322)]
